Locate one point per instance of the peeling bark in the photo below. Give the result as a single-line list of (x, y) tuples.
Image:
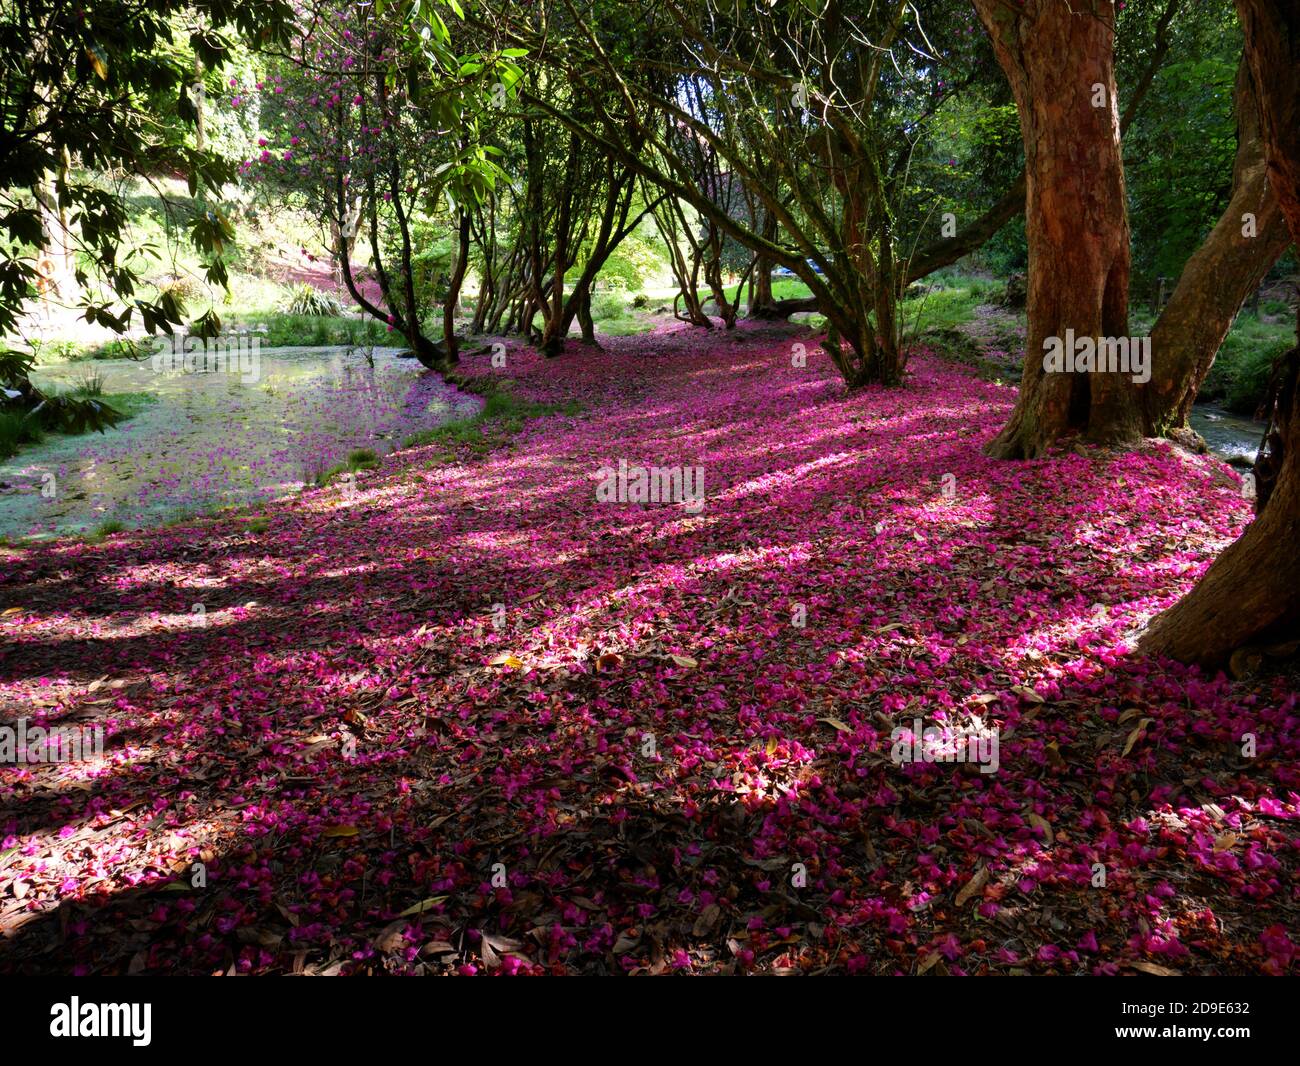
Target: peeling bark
[(1059, 59), (1250, 596), (1218, 278)]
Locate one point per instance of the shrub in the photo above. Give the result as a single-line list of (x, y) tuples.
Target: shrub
[(16, 429), (183, 290), (91, 384), (304, 299)]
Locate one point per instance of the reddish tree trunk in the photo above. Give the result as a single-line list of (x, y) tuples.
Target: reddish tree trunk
[(1059, 59), (1218, 278), (1251, 593)]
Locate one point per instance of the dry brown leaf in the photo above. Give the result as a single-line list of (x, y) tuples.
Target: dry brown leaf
[(1154, 970), (1138, 731), (422, 906), (974, 886), (1039, 822)]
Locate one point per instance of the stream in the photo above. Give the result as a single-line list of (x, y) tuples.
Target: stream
[(1231, 437)]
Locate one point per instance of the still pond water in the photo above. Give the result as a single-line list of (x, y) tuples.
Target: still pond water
[(244, 433)]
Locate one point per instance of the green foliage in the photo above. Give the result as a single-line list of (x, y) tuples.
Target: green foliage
[(90, 384), (120, 348), (945, 301), (615, 316), (358, 460), (503, 415), (1239, 378), (637, 260), (1179, 171), (306, 300), (88, 81), (16, 429)]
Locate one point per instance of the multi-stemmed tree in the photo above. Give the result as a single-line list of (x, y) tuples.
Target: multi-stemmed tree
[(371, 118)]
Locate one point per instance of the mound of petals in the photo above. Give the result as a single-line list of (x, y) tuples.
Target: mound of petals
[(468, 718)]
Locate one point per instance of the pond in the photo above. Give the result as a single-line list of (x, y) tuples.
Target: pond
[(1231, 437), (249, 428)]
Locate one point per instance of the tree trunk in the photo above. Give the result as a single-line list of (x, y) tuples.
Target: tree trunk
[(1247, 240), (761, 300), (1059, 59), (450, 305), (585, 320), (1251, 594)]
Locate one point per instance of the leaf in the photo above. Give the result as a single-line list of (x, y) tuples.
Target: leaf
[(974, 886), (1041, 823), (609, 661), (708, 921), (506, 658), (1025, 692), (422, 906), (341, 831), (684, 660), (1133, 737), (1153, 969), (11, 610), (841, 726), (98, 61)]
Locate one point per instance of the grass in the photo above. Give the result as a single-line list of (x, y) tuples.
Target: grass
[(947, 301), (503, 415), (615, 316), (361, 459), (317, 331), (90, 385), (130, 404)]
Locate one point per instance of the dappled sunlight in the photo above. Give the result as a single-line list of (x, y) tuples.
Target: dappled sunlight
[(437, 666)]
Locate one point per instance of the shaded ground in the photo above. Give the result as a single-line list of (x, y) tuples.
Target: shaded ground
[(650, 765)]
